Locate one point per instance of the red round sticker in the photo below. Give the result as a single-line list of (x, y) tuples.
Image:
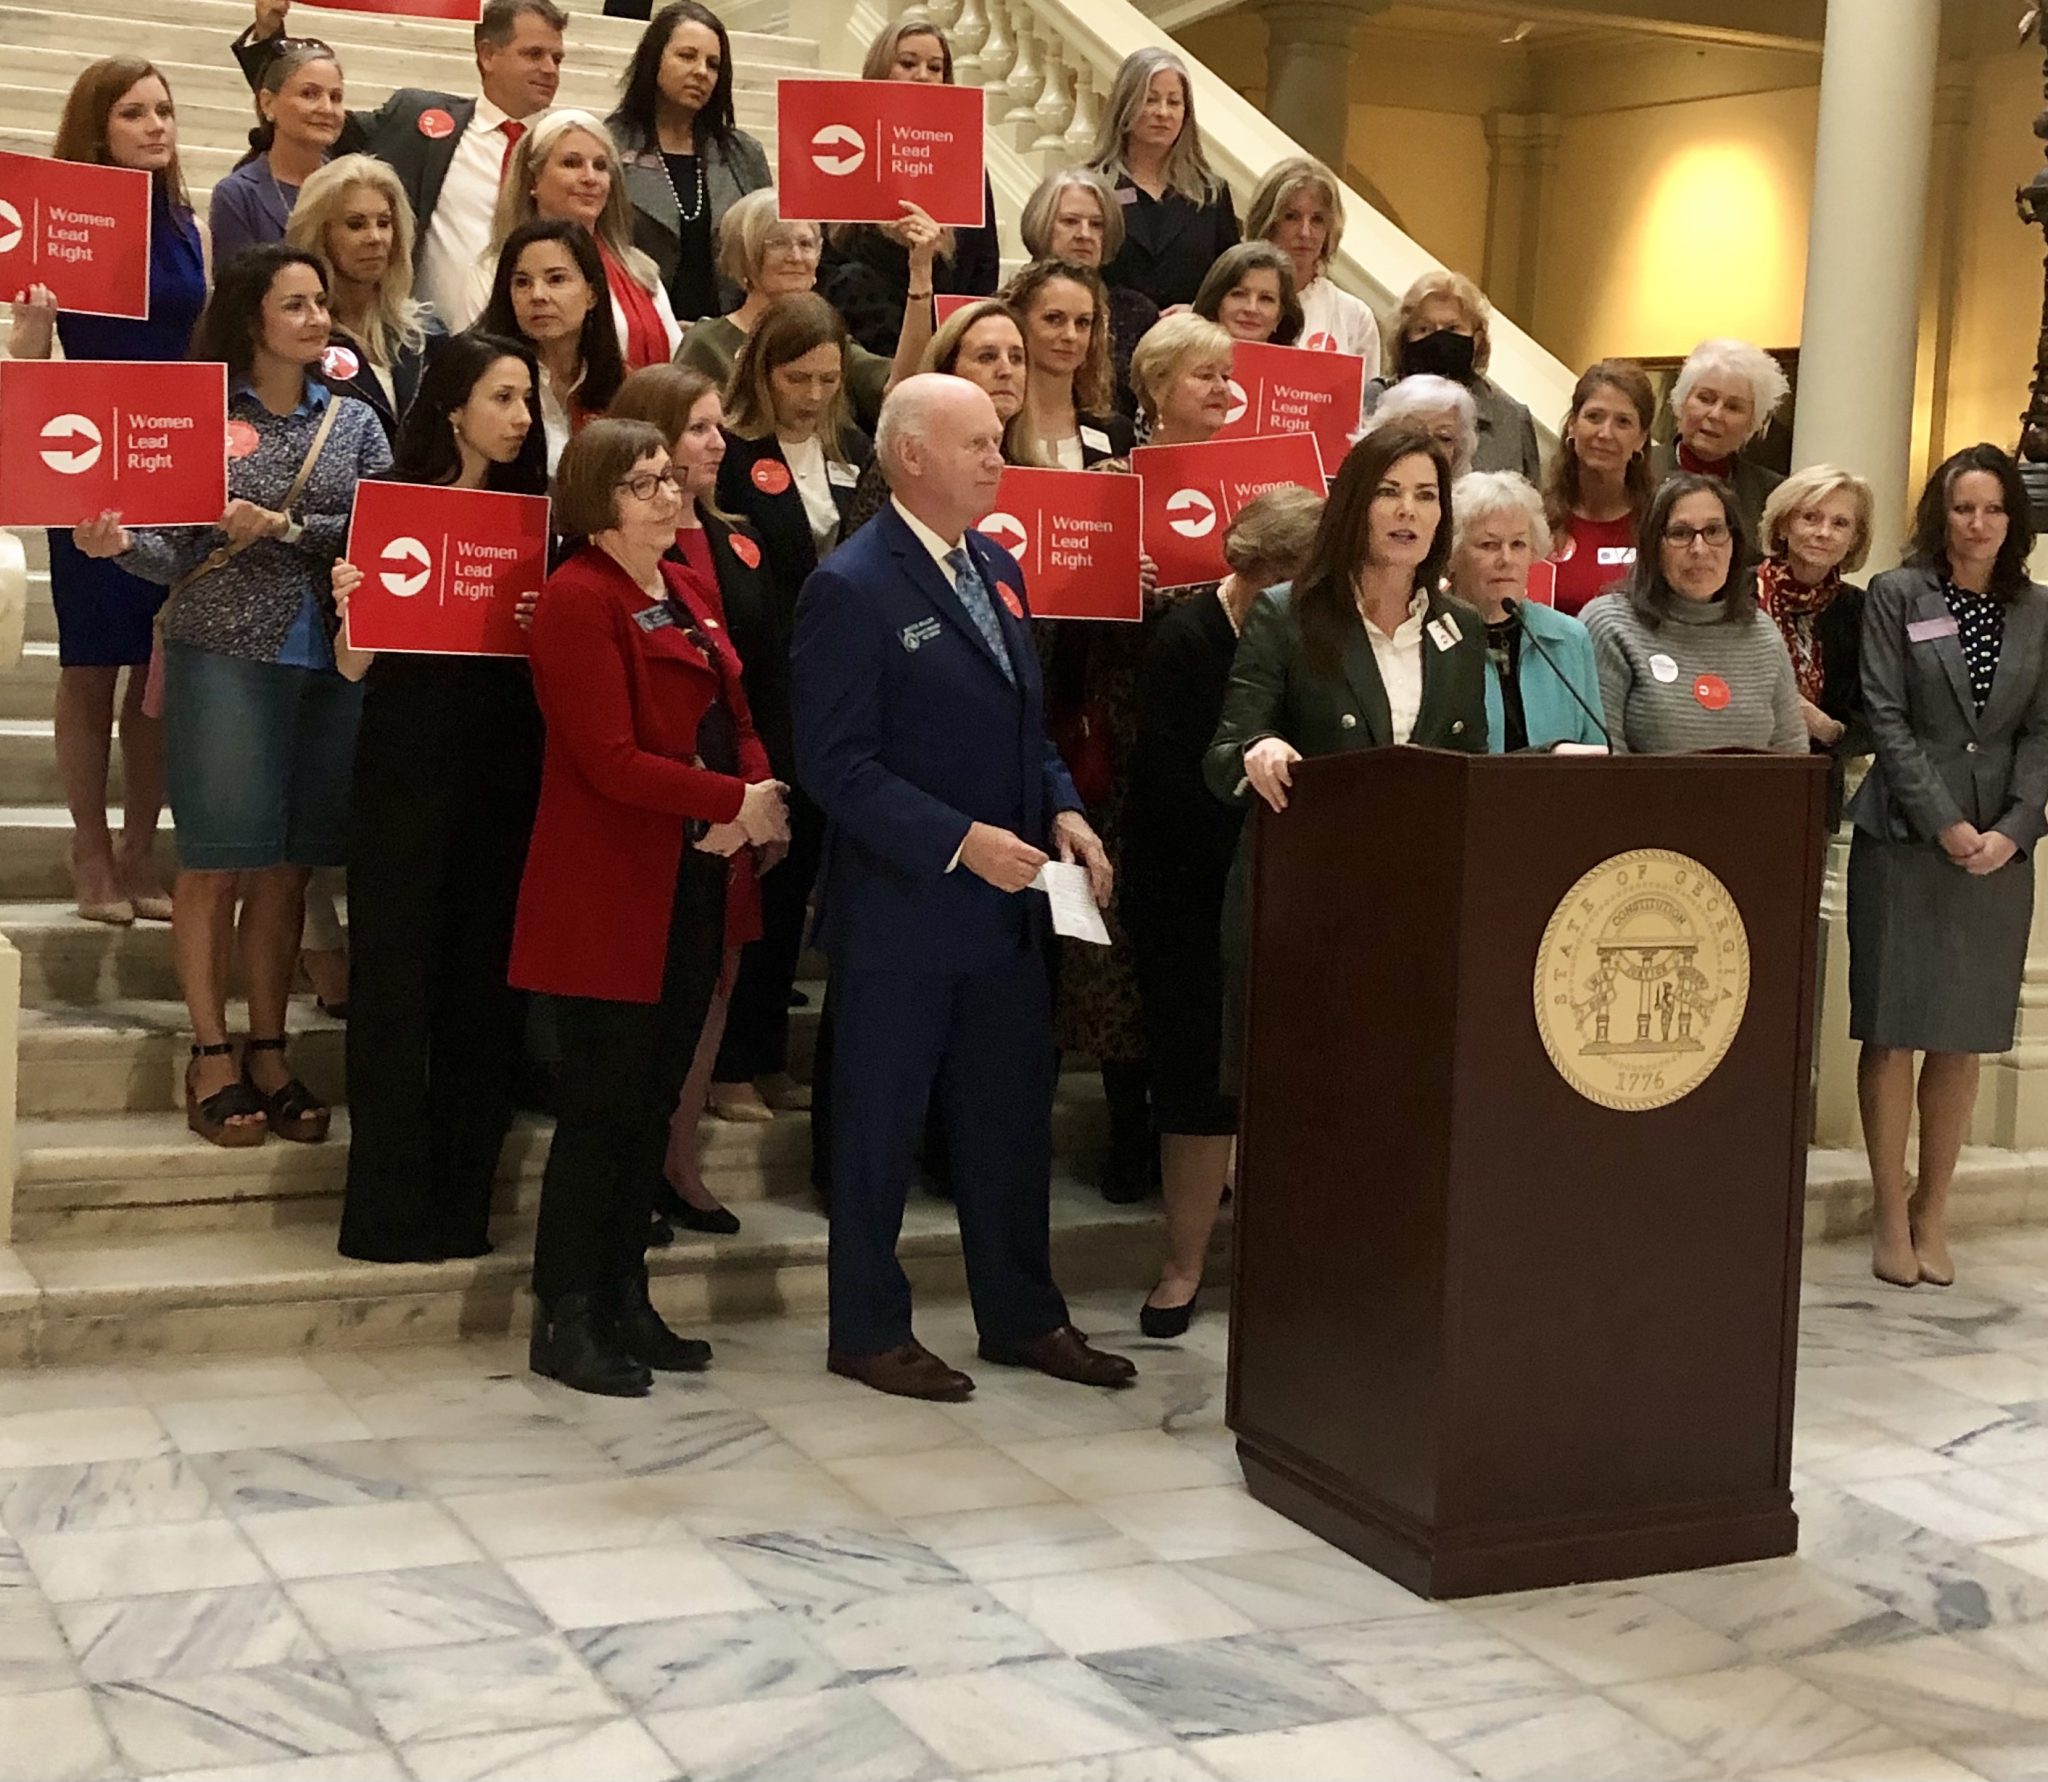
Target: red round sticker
[(1711, 691), (339, 365), (1321, 341), (436, 123), (1010, 599), (242, 439), (771, 476), (746, 550)]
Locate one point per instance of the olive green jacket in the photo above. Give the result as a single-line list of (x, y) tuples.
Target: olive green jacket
[(1273, 692)]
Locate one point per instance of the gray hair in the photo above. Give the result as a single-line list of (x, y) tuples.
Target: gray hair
[(1035, 225), (1426, 394), (1768, 384), (1187, 168), (1480, 494)]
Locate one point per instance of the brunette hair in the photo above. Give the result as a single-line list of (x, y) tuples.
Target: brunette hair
[(666, 395), (604, 366), (232, 321), (1324, 598), (82, 129), (1645, 588), (499, 20), (426, 451), (1561, 491), (292, 54), (1094, 383), (1929, 546), (1232, 267), (633, 122), (791, 327), (593, 465)]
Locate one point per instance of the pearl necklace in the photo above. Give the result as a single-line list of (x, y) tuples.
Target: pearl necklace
[(690, 211)]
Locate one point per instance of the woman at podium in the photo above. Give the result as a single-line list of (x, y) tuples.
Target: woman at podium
[(1941, 881)]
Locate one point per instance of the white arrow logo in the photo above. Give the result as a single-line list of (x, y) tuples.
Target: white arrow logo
[(1239, 402), (10, 227), (1008, 531), (1198, 509), (838, 136), (399, 553), (72, 444)]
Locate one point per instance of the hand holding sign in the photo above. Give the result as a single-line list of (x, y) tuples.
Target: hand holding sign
[(451, 572), (852, 151), (35, 324), (80, 229), (103, 536)]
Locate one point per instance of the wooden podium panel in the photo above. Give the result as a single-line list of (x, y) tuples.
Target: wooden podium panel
[(1487, 1333)]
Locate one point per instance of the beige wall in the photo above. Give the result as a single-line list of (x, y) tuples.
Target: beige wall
[(1431, 168)]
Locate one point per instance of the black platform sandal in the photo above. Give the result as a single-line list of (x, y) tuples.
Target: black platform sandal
[(215, 1119), (296, 1113)]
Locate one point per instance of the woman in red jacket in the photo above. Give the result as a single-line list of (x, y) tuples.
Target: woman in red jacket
[(653, 778)]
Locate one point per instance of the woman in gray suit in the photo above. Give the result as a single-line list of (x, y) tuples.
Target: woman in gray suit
[(1941, 885)]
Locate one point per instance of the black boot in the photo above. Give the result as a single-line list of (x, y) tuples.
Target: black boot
[(572, 1344), (1128, 1175), (644, 1337)]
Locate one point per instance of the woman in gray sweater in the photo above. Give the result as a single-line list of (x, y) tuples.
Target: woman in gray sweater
[(1686, 659)]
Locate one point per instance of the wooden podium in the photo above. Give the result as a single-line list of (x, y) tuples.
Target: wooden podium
[(1488, 1333)]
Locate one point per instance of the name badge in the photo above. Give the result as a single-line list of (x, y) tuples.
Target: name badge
[(1664, 669), (1095, 438), (1443, 632), (920, 632), (1127, 194), (1927, 630), (840, 476), (653, 618), (1610, 555)]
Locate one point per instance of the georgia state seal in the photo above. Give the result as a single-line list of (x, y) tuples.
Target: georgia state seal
[(1641, 980)]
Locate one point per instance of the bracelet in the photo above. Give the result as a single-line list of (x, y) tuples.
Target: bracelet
[(919, 296)]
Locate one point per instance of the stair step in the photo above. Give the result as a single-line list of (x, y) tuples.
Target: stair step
[(35, 854), (28, 764), (29, 688), (129, 1056)]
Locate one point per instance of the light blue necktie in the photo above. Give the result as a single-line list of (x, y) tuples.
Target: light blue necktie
[(973, 592)]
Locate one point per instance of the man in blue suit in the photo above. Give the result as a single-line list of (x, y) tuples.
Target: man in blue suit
[(920, 731)]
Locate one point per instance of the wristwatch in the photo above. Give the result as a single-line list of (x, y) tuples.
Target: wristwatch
[(293, 531)]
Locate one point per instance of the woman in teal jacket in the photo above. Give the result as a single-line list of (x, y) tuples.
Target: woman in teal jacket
[(1542, 686)]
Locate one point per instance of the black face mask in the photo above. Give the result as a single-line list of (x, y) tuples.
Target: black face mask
[(1446, 353)]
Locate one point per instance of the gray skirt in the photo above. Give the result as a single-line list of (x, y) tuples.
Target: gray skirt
[(1935, 953)]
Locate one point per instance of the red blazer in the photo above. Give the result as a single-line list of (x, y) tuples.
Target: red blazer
[(618, 783)]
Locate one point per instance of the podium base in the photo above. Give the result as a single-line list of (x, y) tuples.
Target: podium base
[(1530, 1556)]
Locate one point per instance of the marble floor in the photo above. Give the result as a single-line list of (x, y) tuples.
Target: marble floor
[(422, 1564)]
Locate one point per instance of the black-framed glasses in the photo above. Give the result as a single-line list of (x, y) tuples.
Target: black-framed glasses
[(644, 486), (1714, 534)]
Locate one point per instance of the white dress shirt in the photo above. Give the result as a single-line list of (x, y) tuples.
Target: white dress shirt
[(459, 231), (807, 464), (1399, 659)]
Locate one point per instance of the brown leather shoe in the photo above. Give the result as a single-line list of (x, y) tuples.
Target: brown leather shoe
[(1066, 1355), (912, 1371)]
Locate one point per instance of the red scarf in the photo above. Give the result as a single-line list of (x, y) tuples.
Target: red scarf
[(1688, 459), (646, 341), (1795, 607)]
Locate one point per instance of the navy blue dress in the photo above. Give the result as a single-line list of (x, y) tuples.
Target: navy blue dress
[(104, 614)]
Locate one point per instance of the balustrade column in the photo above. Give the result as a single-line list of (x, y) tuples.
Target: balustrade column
[(1308, 70)]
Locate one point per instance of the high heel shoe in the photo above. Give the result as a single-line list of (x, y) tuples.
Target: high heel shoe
[(672, 1208), (1167, 1322), (1929, 1276), (296, 1113), (221, 1118), (116, 912), (739, 1101)]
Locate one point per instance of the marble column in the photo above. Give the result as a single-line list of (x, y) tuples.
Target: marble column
[(1521, 150), (1863, 270), (1308, 71)]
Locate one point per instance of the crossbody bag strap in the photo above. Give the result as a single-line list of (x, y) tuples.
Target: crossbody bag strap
[(228, 552)]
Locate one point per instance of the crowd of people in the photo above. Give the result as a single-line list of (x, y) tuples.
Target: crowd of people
[(775, 676)]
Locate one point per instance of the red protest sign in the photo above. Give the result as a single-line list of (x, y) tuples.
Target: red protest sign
[(946, 306), (1075, 533), (1193, 492), (1278, 389), (466, 10), (80, 229), (443, 569), (848, 151), (79, 436)]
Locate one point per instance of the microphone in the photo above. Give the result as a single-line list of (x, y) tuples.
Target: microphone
[(1565, 680)]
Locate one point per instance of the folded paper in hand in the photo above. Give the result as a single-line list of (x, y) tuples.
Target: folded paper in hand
[(1073, 903)]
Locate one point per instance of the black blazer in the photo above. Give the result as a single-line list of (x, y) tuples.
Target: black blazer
[(391, 133), (1104, 437), (364, 386), (868, 281), (743, 592), (1170, 243)]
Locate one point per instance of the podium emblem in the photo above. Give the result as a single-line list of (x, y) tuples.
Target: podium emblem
[(1641, 980)]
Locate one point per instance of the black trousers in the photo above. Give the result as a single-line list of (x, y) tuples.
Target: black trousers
[(756, 1039), (447, 775), (621, 1068)]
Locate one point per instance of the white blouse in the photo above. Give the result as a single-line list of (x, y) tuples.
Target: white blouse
[(1338, 322), (1399, 660), (809, 466)]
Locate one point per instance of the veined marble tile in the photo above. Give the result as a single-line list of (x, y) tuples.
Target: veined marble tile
[(1939, 1690), (1251, 1683), (497, 1460), (923, 1633), (347, 1766), (316, 1476), (55, 1736), (366, 1538), (1338, 1751), (1304, 1587), (441, 1605), (1999, 1378), (1156, 1763), (65, 1388), (2000, 1438), (611, 1750), (1782, 1608), (707, 1661), (944, 1479), (1939, 1583), (748, 1500), (842, 1734), (186, 1634), (1604, 1639), (1143, 1460), (1969, 1505), (696, 1441), (1741, 1721), (458, 1406), (34, 1655), (216, 1425), (603, 1512), (1027, 1541), (237, 1717), (125, 1562), (1917, 1764), (160, 1380), (99, 1494), (832, 1568), (1139, 1605), (611, 1585), (844, 1429), (1204, 1522), (88, 1432), (1556, 1738), (1041, 1711), (1439, 1660), (492, 1686)]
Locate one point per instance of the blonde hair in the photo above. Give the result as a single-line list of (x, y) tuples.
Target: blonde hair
[(1187, 168), (1302, 173), (1768, 384), (1479, 494), (1166, 348), (515, 196), (1035, 225), (396, 321), (1269, 540), (1094, 383), (1441, 282), (793, 326), (1808, 488), (743, 236), (942, 354)]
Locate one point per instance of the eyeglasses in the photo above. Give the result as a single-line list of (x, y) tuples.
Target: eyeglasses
[(644, 486), (805, 243), (1682, 538)]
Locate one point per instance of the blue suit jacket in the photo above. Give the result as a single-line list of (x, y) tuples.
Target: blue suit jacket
[(907, 732), (1548, 709)]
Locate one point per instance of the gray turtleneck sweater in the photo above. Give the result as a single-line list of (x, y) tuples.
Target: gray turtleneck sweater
[(1695, 681)]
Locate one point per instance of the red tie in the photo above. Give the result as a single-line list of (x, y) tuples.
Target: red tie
[(512, 129)]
